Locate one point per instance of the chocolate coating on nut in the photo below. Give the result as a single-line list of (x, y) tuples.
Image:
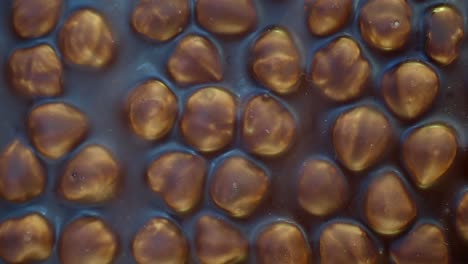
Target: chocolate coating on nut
[(92, 176), (339, 70), (325, 17), (56, 128), (322, 187), (35, 18), (268, 128), (152, 110), (209, 120), (346, 243), (276, 63), (160, 241), (386, 24), (425, 244), (226, 17), (444, 34), (218, 242), (26, 239), (428, 152), (36, 71), (160, 20), (238, 186), (410, 89), (178, 177), (85, 39), (282, 243), (195, 60), (361, 136), (87, 240), (22, 176), (388, 205)]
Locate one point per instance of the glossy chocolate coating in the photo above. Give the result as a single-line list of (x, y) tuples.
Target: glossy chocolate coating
[(35, 18)]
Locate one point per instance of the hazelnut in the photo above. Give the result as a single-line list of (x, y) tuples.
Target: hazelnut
[(152, 110), (342, 242), (322, 187), (361, 136), (195, 60), (444, 34), (91, 176), (26, 239), (386, 24), (428, 152), (36, 72), (160, 241), (339, 70), (462, 216), (160, 20), (325, 17), (22, 176), (268, 128), (227, 17), (179, 178), (238, 186), (276, 63), (388, 205), (87, 240), (85, 39), (426, 243), (56, 128), (209, 120), (35, 18), (282, 243), (219, 242), (410, 89)]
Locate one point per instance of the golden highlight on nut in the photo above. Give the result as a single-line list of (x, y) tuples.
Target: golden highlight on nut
[(282, 243), (179, 178), (410, 89), (388, 205), (152, 110), (325, 17), (217, 242), (342, 242), (322, 187), (195, 60), (209, 119), (238, 186), (87, 240), (35, 18), (56, 128), (386, 24), (444, 34), (160, 241), (85, 39), (26, 239), (339, 70), (36, 72), (91, 176), (268, 128), (428, 152), (227, 17), (361, 136), (276, 61), (22, 176), (160, 20)]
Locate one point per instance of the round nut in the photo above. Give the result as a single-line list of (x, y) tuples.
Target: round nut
[(35, 18), (325, 17)]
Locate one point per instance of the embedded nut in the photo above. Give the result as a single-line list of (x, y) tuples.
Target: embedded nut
[(325, 17), (462, 216), (35, 18)]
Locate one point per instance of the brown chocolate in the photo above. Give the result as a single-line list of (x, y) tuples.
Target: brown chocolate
[(179, 178), (35, 18), (160, 20), (152, 110), (339, 70), (325, 17)]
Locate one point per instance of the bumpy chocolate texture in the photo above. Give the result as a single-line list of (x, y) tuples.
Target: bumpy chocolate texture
[(160, 20), (325, 17), (36, 71), (26, 239), (35, 18)]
